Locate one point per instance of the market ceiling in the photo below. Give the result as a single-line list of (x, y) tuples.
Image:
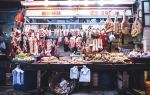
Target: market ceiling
[(17, 3), (30, 3)]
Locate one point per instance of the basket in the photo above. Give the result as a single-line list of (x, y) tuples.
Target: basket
[(61, 84)]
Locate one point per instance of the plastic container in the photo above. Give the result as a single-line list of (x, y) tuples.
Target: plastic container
[(147, 86), (30, 81)]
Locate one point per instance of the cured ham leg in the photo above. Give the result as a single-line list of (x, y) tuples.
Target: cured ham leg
[(108, 24), (125, 25), (72, 42), (136, 27), (116, 25), (79, 43)]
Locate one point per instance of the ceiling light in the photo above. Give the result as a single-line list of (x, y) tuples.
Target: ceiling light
[(101, 2), (85, 2), (69, 3), (46, 3), (29, 0)]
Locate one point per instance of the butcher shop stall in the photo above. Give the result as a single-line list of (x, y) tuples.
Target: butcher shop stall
[(68, 46)]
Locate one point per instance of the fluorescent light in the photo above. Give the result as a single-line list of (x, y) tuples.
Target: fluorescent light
[(69, 3), (101, 2), (116, 2), (29, 0), (85, 2), (46, 3)]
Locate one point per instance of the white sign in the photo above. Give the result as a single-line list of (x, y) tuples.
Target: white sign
[(74, 12)]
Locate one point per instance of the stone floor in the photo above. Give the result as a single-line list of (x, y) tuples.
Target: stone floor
[(10, 91), (76, 93)]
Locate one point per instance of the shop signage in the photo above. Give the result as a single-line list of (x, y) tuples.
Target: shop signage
[(81, 12)]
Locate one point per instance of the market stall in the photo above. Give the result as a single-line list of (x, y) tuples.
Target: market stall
[(102, 40)]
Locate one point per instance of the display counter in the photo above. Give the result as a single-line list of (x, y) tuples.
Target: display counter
[(132, 74), (63, 67)]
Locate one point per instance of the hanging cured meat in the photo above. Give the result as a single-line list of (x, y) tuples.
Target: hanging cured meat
[(59, 43), (53, 48), (94, 45), (125, 25), (25, 43), (48, 32), (60, 38), (41, 33), (116, 25), (108, 24), (136, 27), (78, 32), (100, 44), (89, 34), (49, 44), (35, 46), (66, 40), (38, 35), (31, 45), (79, 42), (72, 42), (65, 33), (56, 33), (19, 18), (104, 38)]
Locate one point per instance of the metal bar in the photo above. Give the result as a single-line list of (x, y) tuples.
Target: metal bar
[(62, 23), (48, 8), (58, 17)]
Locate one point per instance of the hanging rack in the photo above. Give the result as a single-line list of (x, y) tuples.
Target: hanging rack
[(61, 23)]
